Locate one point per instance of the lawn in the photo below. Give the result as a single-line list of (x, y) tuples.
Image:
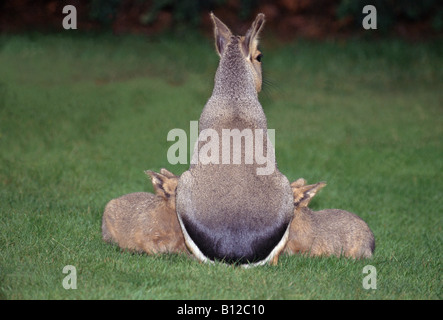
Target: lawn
[(81, 118)]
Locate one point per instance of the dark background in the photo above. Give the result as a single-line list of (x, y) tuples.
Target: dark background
[(288, 19)]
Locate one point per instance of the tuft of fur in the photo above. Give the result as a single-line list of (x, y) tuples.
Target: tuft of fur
[(146, 222), (326, 232)]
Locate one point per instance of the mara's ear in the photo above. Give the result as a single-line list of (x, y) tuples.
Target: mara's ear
[(222, 35), (250, 41), (167, 173), (164, 185), (304, 194), (298, 183)]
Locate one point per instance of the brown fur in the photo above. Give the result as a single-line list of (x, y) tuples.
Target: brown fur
[(326, 232), (145, 222)]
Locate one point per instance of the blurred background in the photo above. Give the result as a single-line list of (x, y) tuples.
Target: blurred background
[(288, 18)]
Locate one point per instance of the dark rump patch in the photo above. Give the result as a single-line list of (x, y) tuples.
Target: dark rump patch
[(235, 244)]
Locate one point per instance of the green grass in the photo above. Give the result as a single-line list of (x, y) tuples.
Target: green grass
[(82, 117)]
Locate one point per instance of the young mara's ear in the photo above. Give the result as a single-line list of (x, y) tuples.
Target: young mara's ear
[(167, 173), (250, 42), (304, 194), (164, 186), (222, 34), (298, 183)]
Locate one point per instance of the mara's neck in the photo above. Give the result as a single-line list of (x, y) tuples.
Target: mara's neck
[(233, 79)]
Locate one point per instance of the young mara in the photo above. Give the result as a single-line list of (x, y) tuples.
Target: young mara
[(145, 222), (326, 232)]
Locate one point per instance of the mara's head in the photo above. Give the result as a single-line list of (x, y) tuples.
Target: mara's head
[(303, 193), (165, 185), (245, 46)]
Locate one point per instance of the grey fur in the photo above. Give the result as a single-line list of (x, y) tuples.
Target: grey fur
[(227, 210)]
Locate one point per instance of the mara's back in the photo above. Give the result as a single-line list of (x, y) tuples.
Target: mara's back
[(233, 203), (345, 232)]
